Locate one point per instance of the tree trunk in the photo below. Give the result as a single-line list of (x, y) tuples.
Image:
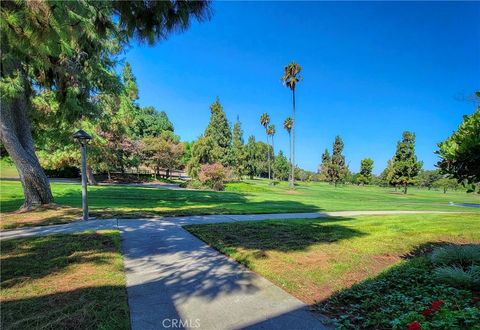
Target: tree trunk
[(273, 160), (405, 187), (268, 157), (108, 174), (16, 136), (167, 173), (290, 159), (292, 183), (90, 177)]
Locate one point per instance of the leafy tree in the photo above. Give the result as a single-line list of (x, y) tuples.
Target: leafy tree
[(256, 158), (338, 169), (288, 125), (446, 184), (265, 121), (366, 168), (149, 122), (405, 164), (387, 176), (281, 167), (428, 177), (324, 168), (162, 153), (204, 151), (187, 153), (218, 130), (238, 149), (460, 153), (291, 77), (68, 48)]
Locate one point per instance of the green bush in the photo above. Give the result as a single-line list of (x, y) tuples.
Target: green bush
[(459, 255), (195, 184), (458, 277)]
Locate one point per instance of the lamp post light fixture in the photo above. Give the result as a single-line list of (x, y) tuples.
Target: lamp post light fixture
[(83, 137)]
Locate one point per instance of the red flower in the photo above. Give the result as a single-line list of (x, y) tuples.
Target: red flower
[(475, 300), (415, 325), (428, 312), (437, 304)]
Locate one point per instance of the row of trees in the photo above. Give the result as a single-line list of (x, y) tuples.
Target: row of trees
[(223, 144)]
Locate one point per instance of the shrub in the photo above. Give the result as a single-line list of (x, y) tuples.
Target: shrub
[(458, 277), (458, 255), (194, 184), (213, 175)]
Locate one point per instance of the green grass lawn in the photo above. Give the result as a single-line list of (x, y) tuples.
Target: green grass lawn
[(239, 198), (7, 169), (64, 281), (312, 258)]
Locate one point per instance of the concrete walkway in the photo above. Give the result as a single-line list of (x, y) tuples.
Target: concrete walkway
[(174, 280)]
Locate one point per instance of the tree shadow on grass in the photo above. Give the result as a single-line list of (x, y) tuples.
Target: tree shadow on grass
[(276, 235), (71, 270), (35, 258), (135, 202), (102, 307)]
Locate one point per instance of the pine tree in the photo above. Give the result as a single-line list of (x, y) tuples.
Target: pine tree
[(238, 149), (405, 164), (366, 168), (338, 169), (323, 169), (281, 167), (218, 130), (386, 176), (130, 82)]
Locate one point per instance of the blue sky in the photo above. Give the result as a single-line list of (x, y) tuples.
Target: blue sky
[(371, 71)]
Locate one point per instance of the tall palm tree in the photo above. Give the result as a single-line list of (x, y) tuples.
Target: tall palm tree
[(288, 124), (291, 76), (271, 132), (264, 121)]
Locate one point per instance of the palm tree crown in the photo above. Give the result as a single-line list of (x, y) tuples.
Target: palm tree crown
[(271, 130), (291, 75), (265, 120), (288, 124)]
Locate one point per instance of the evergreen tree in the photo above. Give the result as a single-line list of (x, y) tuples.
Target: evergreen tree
[(130, 82), (405, 164), (238, 149), (281, 167), (218, 130), (366, 168), (324, 167), (460, 153), (386, 177), (338, 169), (251, 157)]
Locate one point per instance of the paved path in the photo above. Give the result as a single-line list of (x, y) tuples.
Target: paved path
[(173, 277)]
